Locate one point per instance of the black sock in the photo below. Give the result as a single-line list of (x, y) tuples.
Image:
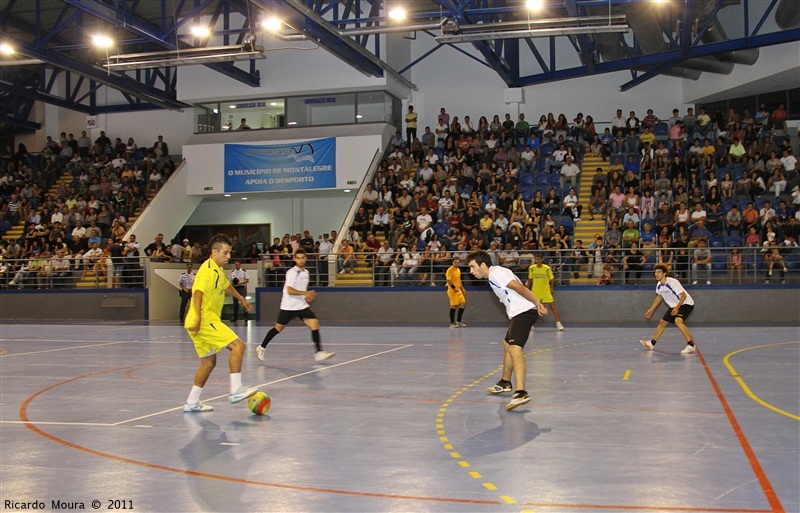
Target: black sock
[(503, 382), (691, 343), (315, 338), (269, 336), (653, 341), (520, 392), (460, 313), (452, 316)]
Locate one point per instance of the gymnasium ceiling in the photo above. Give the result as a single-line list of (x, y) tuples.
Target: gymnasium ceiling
[(55, 61)]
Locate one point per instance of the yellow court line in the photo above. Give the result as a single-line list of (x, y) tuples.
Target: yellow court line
[(750, 394), (627, 375)]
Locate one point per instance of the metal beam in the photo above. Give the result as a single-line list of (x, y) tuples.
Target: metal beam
[(151, 33), (483, 47), (305, 21), (120, 82), (673, 56), (585, 45)]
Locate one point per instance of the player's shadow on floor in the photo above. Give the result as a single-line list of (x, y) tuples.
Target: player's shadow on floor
[(312, 380), (657, 356), (514, 431), (209, 451)]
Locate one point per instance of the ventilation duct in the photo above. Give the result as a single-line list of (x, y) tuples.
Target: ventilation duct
[(787, 15), (716, 34), (644, 22)]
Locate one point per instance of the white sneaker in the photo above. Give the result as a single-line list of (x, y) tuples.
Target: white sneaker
[(461, 325), (518, 399), (647, 344), (196, 407), (454, 325), (260, 352), (708, 282), (694, 282), (242, 394), (323, 355), (688, 349), (560, 326)]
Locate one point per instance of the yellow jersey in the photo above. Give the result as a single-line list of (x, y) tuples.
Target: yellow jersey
[(211, 281), (540, 282)]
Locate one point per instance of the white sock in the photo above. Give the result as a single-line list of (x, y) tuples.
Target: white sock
[(236, 381), (194, 395)]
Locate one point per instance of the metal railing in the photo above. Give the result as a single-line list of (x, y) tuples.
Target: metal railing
[(614, 267), (71, 272)]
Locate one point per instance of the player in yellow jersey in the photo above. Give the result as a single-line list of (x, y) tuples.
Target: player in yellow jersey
[(209, 334), (540, 281), (456, 294)]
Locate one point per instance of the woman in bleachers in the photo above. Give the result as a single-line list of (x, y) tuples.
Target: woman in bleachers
[(483, 126), (677, 150), (648, 205), (755, 186), (562, 127), (496, 125), (727, 187)]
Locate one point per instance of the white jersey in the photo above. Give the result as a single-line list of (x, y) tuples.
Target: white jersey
[(671, 292), (297, 279), (499, 278)]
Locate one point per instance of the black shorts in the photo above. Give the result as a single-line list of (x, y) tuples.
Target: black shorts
[(520, 328), (286, 316), (683, 312)]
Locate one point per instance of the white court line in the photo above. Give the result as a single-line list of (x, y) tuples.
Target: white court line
[(98, 424), (9, 354), (270, 383)]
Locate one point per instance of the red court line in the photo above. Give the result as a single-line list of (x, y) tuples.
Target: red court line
[(23, 414), (772, 497), (645, 508)]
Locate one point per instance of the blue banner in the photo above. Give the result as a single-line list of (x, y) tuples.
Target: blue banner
[(281, 167)]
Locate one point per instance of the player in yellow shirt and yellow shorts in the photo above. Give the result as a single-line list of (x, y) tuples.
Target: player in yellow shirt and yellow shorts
[(206, 329), (456, 294), (540, 281)]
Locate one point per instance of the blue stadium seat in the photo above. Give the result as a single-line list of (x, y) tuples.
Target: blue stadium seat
[(661, 131), (719, 263), (440, 229), (727, 205), (5, 226), (792, 262), (555, 179), (734, 241), (542, 179), (716, 241), (527, 193), (547, 149), (527, 179)]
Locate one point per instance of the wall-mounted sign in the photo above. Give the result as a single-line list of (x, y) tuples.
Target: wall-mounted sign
[(283, 167)]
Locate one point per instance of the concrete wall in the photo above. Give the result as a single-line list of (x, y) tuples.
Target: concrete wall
[(165, 301), (74, 305), (578, 305), (720, 305)]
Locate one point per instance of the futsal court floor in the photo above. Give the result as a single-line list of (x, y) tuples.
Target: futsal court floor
[(400, 421)]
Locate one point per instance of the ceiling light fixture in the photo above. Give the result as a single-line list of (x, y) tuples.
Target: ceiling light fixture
[(534, 5), (397, 13), (244, 52), (6, 49), (102, 41), (272, 24), (200, 31)]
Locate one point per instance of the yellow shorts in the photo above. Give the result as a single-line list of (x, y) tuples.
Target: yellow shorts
[(456, 297), (212, 338), (545, 296)]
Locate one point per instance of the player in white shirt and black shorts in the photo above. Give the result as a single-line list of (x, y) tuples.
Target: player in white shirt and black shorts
[(680, 304), (523, 309), (294, 304)]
